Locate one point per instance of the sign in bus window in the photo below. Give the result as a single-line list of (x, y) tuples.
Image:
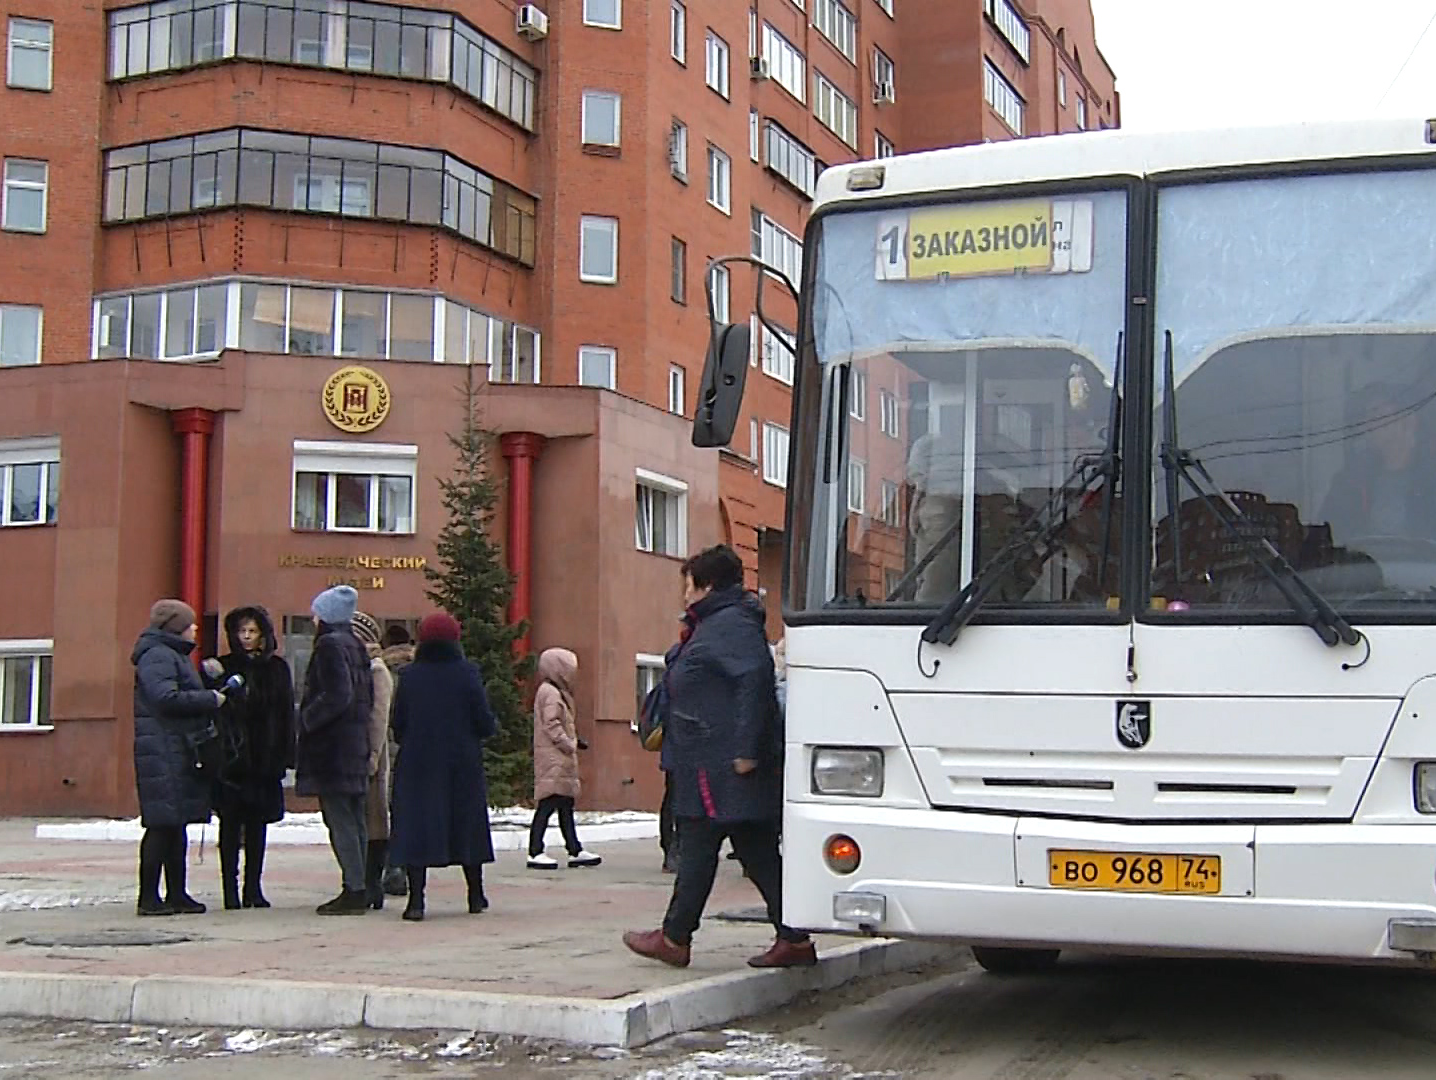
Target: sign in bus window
[(1028, 236)]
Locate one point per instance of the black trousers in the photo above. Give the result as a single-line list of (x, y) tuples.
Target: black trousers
[(163, 848), (236, 831), (547, 806), (667, 824), (699, 842)]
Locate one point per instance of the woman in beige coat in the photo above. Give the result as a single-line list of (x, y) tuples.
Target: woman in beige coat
[(376, 799), (556, 747)]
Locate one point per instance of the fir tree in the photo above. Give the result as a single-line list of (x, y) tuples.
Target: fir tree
[(471, 582)]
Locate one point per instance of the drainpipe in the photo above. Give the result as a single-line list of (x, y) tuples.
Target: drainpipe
[(521, 449), (195, 426)]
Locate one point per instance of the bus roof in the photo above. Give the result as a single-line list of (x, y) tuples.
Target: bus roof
[(1124, 153)]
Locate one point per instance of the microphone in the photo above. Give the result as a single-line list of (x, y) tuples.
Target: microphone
[(232, 684)]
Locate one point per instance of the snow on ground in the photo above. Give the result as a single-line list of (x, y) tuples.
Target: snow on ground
[(41, 899), (755, 1057)]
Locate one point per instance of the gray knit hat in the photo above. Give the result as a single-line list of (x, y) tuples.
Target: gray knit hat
[(366, 627), (171, 616), (336, 606)]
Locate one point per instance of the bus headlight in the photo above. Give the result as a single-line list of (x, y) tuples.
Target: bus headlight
[(1424, 787), (845, 771)]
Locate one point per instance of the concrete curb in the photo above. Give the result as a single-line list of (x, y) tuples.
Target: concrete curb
[(626, 1022)]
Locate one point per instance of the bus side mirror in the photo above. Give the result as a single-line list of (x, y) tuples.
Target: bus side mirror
[(720, 393)]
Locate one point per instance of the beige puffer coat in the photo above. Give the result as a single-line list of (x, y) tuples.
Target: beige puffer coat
[(555, 736), (376, 800)]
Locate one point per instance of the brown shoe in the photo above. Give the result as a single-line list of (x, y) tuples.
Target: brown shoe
[(786, 954), (652, 944)]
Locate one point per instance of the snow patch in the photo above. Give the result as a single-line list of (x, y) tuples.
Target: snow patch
[(756, 1057), (37, 900)]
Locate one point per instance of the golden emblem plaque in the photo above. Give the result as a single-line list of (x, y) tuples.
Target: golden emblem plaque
[(356, 399)]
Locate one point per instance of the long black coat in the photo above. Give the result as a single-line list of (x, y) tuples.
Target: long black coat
[(722, 707), (333, 755), (441, 795), (173, 710), (257, 724)]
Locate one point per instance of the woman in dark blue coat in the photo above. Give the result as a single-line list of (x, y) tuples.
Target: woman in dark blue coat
[(441, 800), (174, 716)]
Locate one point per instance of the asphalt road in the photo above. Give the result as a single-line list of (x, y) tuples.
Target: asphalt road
[(1089, 1019)]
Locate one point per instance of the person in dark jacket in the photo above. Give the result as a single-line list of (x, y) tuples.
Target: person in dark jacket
[(398, 654), (441, 799), (722, 749), (333, 757), (257, 729), (174, 715)]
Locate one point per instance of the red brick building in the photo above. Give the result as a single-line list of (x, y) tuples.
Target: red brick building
[(214, 210)]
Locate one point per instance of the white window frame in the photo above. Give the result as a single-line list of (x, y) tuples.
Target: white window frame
[(8, 311), (777, 247), (601, 138), (791, 160), (858, 394), (651, 667), (890, 503), (857, 486), (1081, 113), (34, 650), (884, 71), (602, 354), (717, 64), (755, 135), (775, 359), (677, 490), (787, 66), (883, 146), (678, 150), (589, 19), (44, 452), (1011, 26), (720, 180), (775, 455), (25, 33), (888, 413), (677, 389), (1002, 97), (720, 286), (839, 25), (835, 110), (1062, 88), (12, 184), (678, 32), (598, 225), (887, 6), (373, 460)]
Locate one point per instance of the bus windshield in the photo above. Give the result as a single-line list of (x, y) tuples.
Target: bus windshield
[(966, 357)]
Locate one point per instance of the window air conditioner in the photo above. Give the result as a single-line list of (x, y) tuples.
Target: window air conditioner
[(532, 23), (758, 66), (882, 93)]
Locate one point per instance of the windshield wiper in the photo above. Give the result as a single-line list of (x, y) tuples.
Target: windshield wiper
[(1311, 607), (1041, 529)]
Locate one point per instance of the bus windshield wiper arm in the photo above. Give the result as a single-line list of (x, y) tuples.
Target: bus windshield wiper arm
[(1311, 607)]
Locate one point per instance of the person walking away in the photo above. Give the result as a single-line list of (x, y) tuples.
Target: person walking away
[(376, 799), (398, 653), (257, 723), (441, 798), (556, 747), (174, 713), (333, 758), (722, 749)]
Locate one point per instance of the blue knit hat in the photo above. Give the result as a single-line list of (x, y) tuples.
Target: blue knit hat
[(336, 606)]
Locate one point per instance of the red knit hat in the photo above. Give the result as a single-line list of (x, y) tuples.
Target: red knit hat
[(439, 627)]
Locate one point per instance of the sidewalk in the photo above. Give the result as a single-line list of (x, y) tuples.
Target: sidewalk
[(546, 960)]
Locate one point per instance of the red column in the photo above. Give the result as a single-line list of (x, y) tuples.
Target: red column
[(195, 426), (521, 449)]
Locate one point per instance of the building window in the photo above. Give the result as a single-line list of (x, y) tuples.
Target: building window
[(21, 328), (473, 337), (775, 350), (791, 160), (23, 204), (835, 110), (648, 672), (29, 58), (886, 5), (720, 177), (753, 437), (25, 677), (857, 485), (838, 25), (605, 13), (775, 455), (597, 366), (755, 133), (884, 77), (715, 69), (242, 167), (1081, 113), (888, 412), (1062, 88), (678, 286), (29, 481), (384, 39), (661, 515), (776, 246), (600, 118), (678, 32), (354, 487), (598, 249), (1003, 98), (882, 145), (677, 391), (678, 150), (889, 504), (1011, 26), (720, 285), (858, 394), (519, 362), (786, 65)]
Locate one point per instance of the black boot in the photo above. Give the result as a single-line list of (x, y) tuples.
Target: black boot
[(348, 902), (229, 837), (255, 838), (396, 882), (414, 909), (374, 873), (152, 850), (175, 870), (474, 878)]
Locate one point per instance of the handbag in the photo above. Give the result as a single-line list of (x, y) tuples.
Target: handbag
[(651, 717)]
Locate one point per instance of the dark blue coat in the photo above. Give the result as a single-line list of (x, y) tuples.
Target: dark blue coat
[(721, 707), (333, 754), (440, 720), (173, 711)]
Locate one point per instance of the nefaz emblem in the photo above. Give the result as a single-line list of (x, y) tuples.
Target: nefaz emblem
[(1134, 723)]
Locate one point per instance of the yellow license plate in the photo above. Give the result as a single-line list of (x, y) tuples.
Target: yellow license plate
[(1134, 871)]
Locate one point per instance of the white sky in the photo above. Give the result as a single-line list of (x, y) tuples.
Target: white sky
[(1225, 63)]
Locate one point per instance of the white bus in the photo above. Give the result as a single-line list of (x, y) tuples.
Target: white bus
[(1110, 584)]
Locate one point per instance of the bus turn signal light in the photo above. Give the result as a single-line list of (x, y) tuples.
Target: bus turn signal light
[(842, 855)]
